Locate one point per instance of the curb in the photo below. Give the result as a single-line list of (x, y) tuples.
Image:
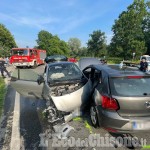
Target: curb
[(15, 136)]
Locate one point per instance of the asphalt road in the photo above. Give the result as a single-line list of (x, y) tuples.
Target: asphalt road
[(34, 128)]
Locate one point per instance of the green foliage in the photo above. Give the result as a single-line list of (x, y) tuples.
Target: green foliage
[(96, 44), (114, 60), (146, 27), (74, 45), (51, 43), (128, 34), (6, 41), (2, 94), (83, 52)]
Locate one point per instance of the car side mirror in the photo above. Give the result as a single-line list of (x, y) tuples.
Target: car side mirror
[(40, 79)]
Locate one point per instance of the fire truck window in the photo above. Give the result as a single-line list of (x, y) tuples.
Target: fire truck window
[(31, 52), (35, 52)]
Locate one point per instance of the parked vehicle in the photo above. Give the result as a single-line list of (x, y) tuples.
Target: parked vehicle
[(27, 57), (72, 59), (120, 98), (55, 58)]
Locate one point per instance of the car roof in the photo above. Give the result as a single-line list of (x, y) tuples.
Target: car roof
[(115, 71), (53, 58)]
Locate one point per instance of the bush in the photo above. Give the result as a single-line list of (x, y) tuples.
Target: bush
[(113, 60)]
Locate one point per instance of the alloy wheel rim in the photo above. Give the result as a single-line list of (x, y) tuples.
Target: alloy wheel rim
[(93, 115)]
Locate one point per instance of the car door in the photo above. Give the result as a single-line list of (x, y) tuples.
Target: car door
[(101, 88), (88, 72), (24, 81)]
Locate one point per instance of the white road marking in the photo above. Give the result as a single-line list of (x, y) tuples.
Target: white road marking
[(15, 137)]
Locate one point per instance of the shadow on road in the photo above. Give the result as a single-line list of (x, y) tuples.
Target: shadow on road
[(30, 124)]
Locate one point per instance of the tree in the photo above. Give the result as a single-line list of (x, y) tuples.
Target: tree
[(74, 45), (43, 39), (51, 43), (6, 41), (83, 52), (128, 34), (146, 28), (96, 45)]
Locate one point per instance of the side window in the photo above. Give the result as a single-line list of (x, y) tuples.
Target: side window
[(103, 83), (87, 72), (98, 76), (45, 69), (31, 52), (35, 52)]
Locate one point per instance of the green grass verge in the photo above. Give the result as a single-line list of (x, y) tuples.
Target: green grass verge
[(114, 60), (146, 147), (2, 94), (117, 60)]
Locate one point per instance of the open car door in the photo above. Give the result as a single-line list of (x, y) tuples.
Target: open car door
[(24, 81)]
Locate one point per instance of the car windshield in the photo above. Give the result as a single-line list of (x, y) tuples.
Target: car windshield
[(63, 72), (147, 58), (20, 52), (130, 86)]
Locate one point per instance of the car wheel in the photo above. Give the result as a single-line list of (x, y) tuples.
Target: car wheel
[(93, 116)]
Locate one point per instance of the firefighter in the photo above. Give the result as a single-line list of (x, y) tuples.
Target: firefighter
[(3, 68), (143, 65)]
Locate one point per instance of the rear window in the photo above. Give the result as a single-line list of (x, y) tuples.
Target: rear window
[(54, 58), (130, 86)]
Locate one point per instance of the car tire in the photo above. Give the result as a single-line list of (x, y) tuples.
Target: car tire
[(94, 116)]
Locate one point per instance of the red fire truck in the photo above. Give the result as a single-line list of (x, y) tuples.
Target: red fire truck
[(27, 57)]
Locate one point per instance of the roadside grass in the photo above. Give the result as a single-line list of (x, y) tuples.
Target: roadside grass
[(117, 60), (2, 94), (146, 147), (114, 60)]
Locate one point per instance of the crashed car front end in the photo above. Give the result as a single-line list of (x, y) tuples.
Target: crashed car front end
[(65, 90)]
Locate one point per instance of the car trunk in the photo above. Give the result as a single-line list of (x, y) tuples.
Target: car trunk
[(132, 94), (133, 106)]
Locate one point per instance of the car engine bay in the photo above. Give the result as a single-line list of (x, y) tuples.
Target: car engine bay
[(65, 89)]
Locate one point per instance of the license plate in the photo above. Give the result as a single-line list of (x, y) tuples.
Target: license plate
[(141, 125)]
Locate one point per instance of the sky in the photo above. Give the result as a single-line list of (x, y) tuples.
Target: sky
[(64, 18)]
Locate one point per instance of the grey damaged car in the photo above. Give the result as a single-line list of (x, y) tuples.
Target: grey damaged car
[(63, 86), (120, 98)]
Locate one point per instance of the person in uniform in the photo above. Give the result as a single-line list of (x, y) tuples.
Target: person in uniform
[(143, 65), (3, 68)]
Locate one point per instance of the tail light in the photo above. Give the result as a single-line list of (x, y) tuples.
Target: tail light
[(134, 77), (109, 103)]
